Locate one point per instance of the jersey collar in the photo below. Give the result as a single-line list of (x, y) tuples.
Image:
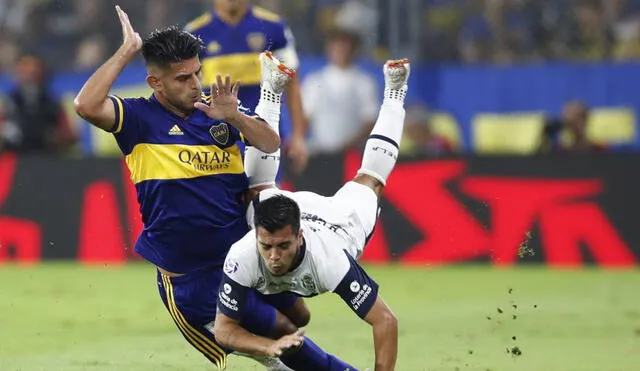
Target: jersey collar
[(300, 256)]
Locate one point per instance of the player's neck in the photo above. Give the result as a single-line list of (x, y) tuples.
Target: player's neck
[(171, 108), (299, 256), (231, 17)]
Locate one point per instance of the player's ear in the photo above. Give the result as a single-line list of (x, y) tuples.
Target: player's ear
[(299, 237), (153, 82)]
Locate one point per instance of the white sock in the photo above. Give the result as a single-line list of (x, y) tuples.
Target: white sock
[(381, 150), (261, 168)]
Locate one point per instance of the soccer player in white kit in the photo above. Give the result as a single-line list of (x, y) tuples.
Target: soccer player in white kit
[(308, 244)]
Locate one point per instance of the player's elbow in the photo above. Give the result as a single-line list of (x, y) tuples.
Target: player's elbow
[(389, 321), (84, 108), (271, 144), (221, 334), (80, 106)]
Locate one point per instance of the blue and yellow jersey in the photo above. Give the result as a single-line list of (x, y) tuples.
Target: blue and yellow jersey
[(234, 49), (190, 181)]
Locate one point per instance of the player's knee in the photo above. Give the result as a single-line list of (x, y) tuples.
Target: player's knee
[(370, 182), (283, 326), (302, 318), (299, 313)]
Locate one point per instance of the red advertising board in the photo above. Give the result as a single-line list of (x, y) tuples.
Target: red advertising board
[(563, 211)]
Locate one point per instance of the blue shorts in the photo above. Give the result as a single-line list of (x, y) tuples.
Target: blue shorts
[(192, 299)]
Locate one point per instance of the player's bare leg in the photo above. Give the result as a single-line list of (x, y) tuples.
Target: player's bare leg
[(381, 150)]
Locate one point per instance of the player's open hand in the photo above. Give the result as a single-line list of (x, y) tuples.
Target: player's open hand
[(298, 153), (286, 343), (224, 100), (131, 40)]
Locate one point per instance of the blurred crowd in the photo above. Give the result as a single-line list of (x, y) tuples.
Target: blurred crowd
[(79, 34), (40, 37)]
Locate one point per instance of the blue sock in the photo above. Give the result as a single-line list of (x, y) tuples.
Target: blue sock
[(311, 358)]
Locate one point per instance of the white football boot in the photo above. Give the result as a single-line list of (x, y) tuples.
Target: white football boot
[(396, 75), (275, 74)]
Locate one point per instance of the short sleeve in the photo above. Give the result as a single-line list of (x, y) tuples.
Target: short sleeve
[(232, 298), (127, 124), (357, 289), (238, 278)]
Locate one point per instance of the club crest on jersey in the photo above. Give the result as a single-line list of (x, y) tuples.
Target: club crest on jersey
[(256, 41), (220, 133), (307, 283), (213, 47)]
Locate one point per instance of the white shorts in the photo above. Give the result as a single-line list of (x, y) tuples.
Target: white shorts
[(354, 207)]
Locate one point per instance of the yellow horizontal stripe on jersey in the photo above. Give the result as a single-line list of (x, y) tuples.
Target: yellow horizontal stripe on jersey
[(244, 67), (181, 161)]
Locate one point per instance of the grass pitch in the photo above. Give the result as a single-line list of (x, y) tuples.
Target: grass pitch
[(63, 316)]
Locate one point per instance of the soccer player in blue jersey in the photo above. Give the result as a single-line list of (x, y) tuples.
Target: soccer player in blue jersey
[(234, 33), (181, 148)]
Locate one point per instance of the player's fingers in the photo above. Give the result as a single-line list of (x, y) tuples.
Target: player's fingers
[(235, 89), (220, 85), (202, 107), (300, 332), (227, 84), (214, 90), (127, 22), (122, 21)]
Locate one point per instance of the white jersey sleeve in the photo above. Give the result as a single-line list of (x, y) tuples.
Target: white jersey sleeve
[(240, 274), (357, 288)]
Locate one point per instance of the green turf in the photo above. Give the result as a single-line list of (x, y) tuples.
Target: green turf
[(66, 317)]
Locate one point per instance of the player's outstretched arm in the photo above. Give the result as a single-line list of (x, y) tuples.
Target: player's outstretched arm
[(385, 335), (297, 147), (230, 334), (92, 103), (224, 106)]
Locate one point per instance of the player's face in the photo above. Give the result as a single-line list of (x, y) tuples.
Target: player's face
[(278, 249), (340, 51), (179, 83), (231, 6)]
